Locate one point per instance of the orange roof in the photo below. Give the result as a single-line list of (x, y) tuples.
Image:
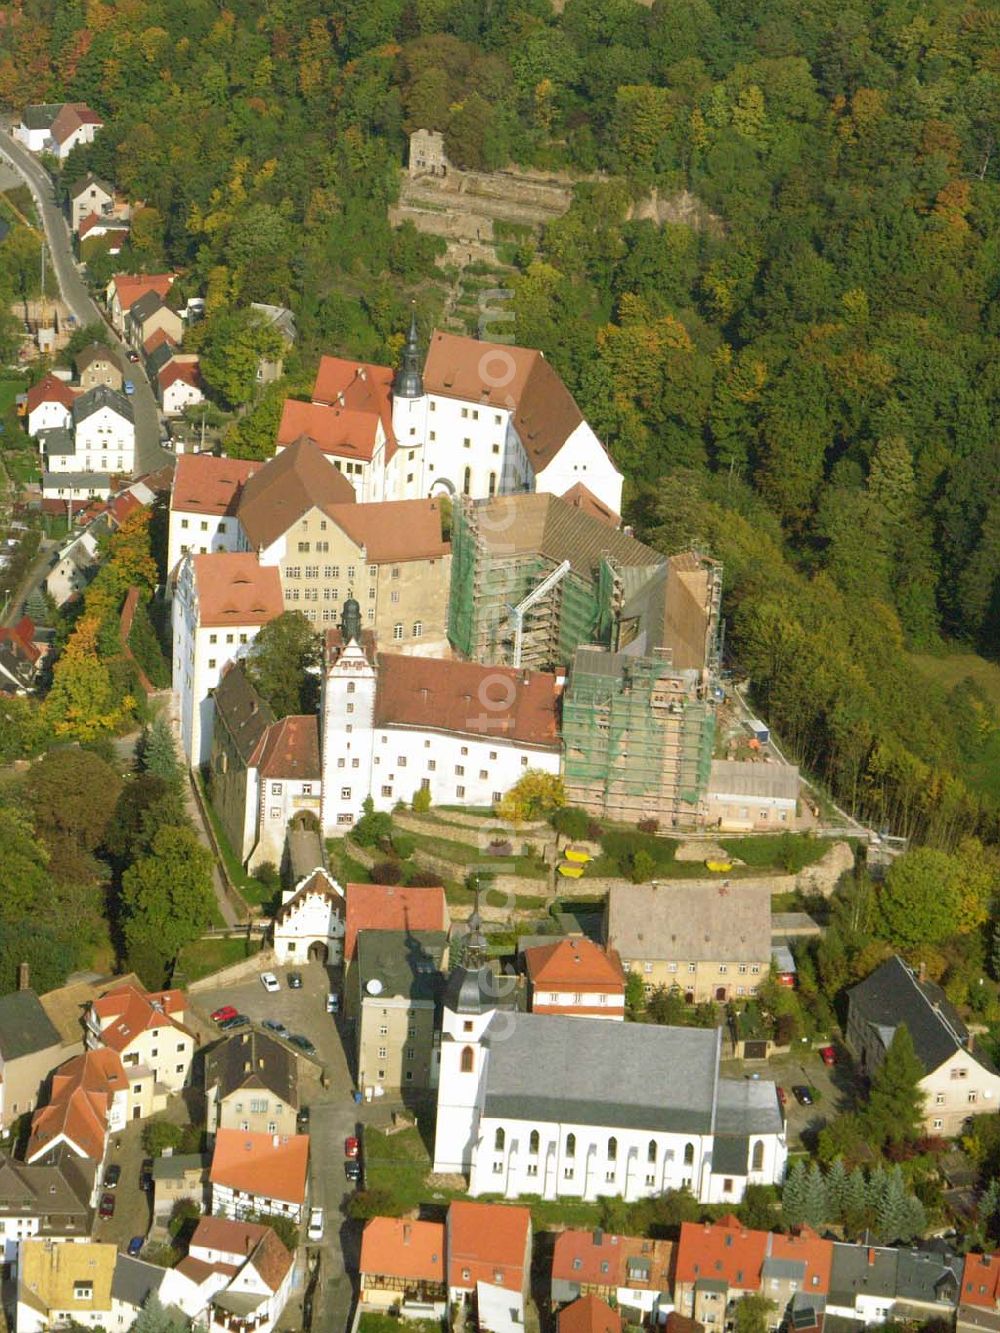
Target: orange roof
[(82, 1090), (809, 1249), (590, 1258), (490, 1241), (234, 590), (589, 1315), (130, 287), (127, 1011), (290, 749), (725, 1251), (180, 370), (359, 387), (494, 702), (49, 389), (393, 531), (395, 1247), (581, 498), (204, 484), (576, 964), (157, 339), (254, 1164), (981, 1280), (221, 1233), (336, 430), (391, 907)]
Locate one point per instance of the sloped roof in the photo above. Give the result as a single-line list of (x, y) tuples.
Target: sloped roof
[(575, 963), (286, 488), (359, 387), (204, 484), (589, 1314), (981, 1280), (95, 351), (233, 589), (733, 777), (50, 389), (691, 921), (407, 962), (251, 1162), (87, 181), (127, 1011), (66, 1005), (146, 305), (102, 396), (82, 1090), (290, 749), (271, 1260), (892, 995), (175, 370), (49, 1275), (393, 531), (130, 286), (253, 1060), (391, 907), (241, 711), (580, 497), (158, 338), (228, 1236), (25, 1027), (60, 1189), (590, 1258), (398, 1247), (493, 1234), (336, 430), (321, 882), (496, 702), (725, 1250)]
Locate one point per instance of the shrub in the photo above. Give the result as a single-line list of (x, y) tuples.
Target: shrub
[(594, 831), (571, 823), (424, 879), (421, 802), (648, 826), (158, 1134), (643, 868), (403, 845), (500, 847), (387, 872), (268, 875)]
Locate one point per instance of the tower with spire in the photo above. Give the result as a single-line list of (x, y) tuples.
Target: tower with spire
[(409, 418)]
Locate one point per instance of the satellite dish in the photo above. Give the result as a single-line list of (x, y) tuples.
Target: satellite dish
[(374, 987)]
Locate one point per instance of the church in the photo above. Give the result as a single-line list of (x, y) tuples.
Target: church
[(566, 1107), (472, 418)]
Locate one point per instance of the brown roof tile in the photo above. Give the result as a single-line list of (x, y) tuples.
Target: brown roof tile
[(487, 1238), (589, 1315), (393, 531), (290, 749), (286, 488), (358, 387), (577, 963), (231, 1237), (391, 907), (581, 498), (204, 484), (270, 1258), (50, 389), (233, 589), (397, 1247)]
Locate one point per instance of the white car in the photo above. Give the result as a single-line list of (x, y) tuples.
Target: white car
[(315, 1229), (270, 982)]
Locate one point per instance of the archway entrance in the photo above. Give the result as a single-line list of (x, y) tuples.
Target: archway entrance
[(318, 953), (441, 486)]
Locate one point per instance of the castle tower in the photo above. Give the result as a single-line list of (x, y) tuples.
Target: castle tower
[(347, 722), (409, 420)]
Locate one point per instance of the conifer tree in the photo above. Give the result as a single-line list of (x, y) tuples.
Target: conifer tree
[(793, 1196)]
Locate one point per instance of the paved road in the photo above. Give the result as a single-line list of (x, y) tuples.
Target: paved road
[(149, 453)]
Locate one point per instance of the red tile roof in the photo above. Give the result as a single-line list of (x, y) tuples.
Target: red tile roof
[(187, 371), (130, 287), (589, 1258), (393, 531), (222, 1233), (22, 637), (49, 389), (726, 1252), (493, 702), (290, 749), (396, 1247), (79, 1102), (575, 964), (336, 430), (157, 339), (581, 498), (490, 1242), (204, 484), (589, 1315), (391, 907), (126, 1011), (234, 590), (358, 387), (252, 1163), (806, 1247), (981, 1280)]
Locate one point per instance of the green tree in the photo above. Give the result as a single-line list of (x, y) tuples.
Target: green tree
[(894, 1113), (750, 1314), (72, 793), (167, 900), (283, 664), (535, 795), (918, 902), (666, 1006), (153, 1318), (793, 1194), (159, 754), (231, 344), (635, 994)]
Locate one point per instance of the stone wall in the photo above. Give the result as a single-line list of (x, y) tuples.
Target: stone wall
[(248, 967)]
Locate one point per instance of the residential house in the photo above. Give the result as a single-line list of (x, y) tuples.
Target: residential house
[(957, 1083), (588, 1314), (402, 1267), (136, 1283), (57, 127), (180, 1176), (259, 1173), (391, 907), (204, 499), (871, 1284), (310, 923), (100, 235), (487, 1242), (148, 314), (124, 289), (103, 433), (62, 1283), (251, 1272), (519, 1111), (30, 1048), (221, 601), (281, 319), (630, 1270), (87, 196), (178, 385), (49, 405), (51, 1202), (498, 1310), (20, 658), (67, 1007), (393, 724), (575, 977), (33, 128), (752, 797), (98, 364), (251, 1083), (75, 566), (395, 1001), (709, 939), (979, 1299), (64, 491), (147, 1031), (88, 1100)]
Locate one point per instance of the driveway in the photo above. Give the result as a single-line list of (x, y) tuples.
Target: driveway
[(133, 1207), (149, 452), (833, 1087)]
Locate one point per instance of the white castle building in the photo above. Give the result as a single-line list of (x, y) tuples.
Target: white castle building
[(579, 1108)]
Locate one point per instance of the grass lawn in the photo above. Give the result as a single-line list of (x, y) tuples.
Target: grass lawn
[(206, 956), (253, 891), (345, 868), (385, 1323), (398, 1164), (9, 389), (21, 464), (950, 669), (462, 854), (984, 775)]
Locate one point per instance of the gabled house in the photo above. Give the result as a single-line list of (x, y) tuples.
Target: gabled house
[(629, 1270), (247, 1270), (149, 314), (251, 1083), (98, 364), (87, 196), (76, 565), (391, 907), (49, 405), (957, 1083), (402, 1265), (282, 320), (575, 977), (180, 1176), (178, 385), (30, 1048), (979, 1298), (60, 1284), (57, 127), (204, 499), (873, 1284), (88, 1100), (50, 1201), (147, 1030), (103, 432), (124, 289), (259, 1173), (487, 1242), (395, 1002), (588, 1314), (310, 923), (20, 658)]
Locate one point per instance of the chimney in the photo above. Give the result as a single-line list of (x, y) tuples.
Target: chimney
[(525, 676), (560, 675), (275, 1141), (23, 976), (598, 1236), (407, 1233), (871, 1257)]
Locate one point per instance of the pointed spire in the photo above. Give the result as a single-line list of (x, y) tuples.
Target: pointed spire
[(475, 940), (409, 381)]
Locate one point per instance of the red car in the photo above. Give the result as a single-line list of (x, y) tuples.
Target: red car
[(107, 1205), (220, 1015), (782, 1096), (351, 1148), (828, 1055)]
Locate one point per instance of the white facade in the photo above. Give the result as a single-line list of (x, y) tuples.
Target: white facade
[(49, 415), (82, 134), (36, 141), (178, 395), (311, 915), (583, 1003), (200, 534), (92, 198), (238, 1204), (105, 442), (76, 486), (582, 459)]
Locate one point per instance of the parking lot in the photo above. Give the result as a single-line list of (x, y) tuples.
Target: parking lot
[(832, 1087), (133, 1206)]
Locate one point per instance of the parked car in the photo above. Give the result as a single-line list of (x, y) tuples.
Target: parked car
[(129, 387), (302, 1120), (135, 1246), (270, 982), (220, 1015), (828, 1054), (333, 1003), (112, 1176), (237, 1021), (352, 1170), (782, 1096), (303, 1043), (802, 1094), (275, 1026), (315, 1229), (352, 1147), (134, 357), (106, 1208), (294, 980), (146, 1174)]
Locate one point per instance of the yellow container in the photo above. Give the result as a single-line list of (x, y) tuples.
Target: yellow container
[(719, 865), (571, 872)]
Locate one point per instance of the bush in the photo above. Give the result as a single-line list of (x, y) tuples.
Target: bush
[(421, 802), (267, 874), (387, 872), (500, 847), (365, 1204), (571, 823), (623, 848), (643, 868), (648, 826), (403, 845), (158, 1134), (423, 879), (183, 1220)]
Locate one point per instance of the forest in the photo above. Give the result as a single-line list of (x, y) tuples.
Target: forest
[(807, 381)]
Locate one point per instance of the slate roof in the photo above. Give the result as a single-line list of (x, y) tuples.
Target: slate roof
[(87, 181), (55, 1190), (135, 1281), (860, 1270), (95, 351), (253, 1060), (25, 1027), (57, 441), (242, 711), (91, 482), (407, 963), (893, 995), (146, 305), (40, 115), (101, 396), (926, 1278), (541, 1067)]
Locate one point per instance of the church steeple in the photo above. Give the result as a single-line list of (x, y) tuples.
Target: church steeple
[(350, 625), (409, 382), (475, 940)]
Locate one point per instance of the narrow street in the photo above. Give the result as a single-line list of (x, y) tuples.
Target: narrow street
[(149, 452)]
